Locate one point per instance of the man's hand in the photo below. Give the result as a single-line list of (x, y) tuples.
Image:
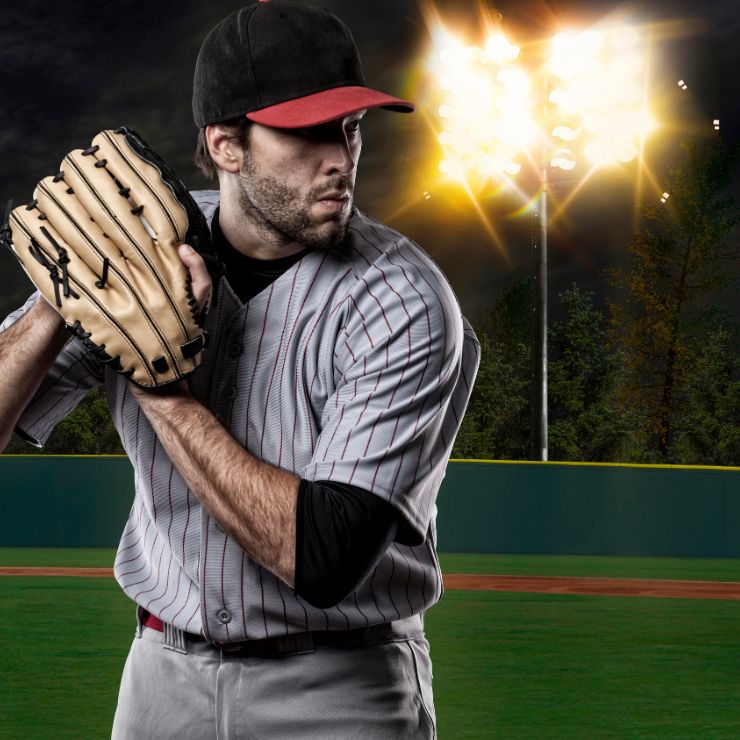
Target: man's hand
[(202, 286)]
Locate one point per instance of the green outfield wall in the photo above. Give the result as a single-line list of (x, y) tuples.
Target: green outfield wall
[(590, 509), (500, 507)]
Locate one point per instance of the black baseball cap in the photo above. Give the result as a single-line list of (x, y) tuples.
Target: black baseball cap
[(282, 63)]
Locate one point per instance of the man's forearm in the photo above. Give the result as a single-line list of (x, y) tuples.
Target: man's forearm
[(27, 350), (253, 501)]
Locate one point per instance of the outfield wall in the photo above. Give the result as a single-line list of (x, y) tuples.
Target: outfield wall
[(590, 509), (504, 507)]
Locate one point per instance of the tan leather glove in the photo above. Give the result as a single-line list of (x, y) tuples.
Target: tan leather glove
[(99, 240)]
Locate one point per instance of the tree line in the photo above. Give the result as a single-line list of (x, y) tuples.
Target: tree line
[(654, 377)]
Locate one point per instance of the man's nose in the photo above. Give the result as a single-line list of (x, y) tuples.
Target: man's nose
[(339, 157)]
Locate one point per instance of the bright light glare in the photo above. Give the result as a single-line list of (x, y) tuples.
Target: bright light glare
[(485, 108), (498, 49), (601, 90), (486, 103), (562, 160), (565, 133), (715, 123), (664, 197)]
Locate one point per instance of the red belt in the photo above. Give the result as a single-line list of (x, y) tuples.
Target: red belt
[(153, 622)]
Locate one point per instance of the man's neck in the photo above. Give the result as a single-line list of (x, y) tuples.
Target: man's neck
[(250, 238)]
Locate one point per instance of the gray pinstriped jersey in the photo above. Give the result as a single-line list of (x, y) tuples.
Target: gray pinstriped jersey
[(354, 366)]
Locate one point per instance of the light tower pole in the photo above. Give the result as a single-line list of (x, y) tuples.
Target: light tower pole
[(539, 325)]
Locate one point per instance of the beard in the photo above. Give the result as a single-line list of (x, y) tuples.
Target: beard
[(280, 210)]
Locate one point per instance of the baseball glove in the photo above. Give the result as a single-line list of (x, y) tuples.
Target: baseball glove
[(99, 240)]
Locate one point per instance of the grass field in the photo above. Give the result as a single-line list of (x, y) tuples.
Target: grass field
[(506, 665)]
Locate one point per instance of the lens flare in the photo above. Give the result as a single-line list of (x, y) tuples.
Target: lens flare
[(485, 108), (601, 84)]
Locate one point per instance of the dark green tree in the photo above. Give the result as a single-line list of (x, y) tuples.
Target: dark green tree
[(586, 421), (682, 257), (496, 424), (708, 431)]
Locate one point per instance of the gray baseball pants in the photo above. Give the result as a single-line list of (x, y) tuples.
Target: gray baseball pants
[(173, 687)]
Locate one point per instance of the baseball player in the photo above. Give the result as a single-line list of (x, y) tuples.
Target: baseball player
[(281, 547)]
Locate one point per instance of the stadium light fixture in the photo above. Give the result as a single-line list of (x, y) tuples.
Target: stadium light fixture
[(492, 118)]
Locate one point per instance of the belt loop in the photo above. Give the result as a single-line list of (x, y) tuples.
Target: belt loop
[(139, 618), (174, 639)]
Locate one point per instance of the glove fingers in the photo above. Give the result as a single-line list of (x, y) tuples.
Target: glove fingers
[(66, 214), (72, 222), (34, 241), (21, 222), (156, 271), (77, 293), (98, 193), (162, 211), (99, 241), (67, 283)]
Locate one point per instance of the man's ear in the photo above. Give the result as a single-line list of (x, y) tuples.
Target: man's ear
[(225, 151)]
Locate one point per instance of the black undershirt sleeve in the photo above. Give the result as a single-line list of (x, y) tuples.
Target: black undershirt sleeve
[(342, 532)]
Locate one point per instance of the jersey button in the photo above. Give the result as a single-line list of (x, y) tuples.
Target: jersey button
[(230, 392), (223, 616), (235, 350)]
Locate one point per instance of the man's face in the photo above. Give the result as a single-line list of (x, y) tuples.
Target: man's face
[(298, 184)]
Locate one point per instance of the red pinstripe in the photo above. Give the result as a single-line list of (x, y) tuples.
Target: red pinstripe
[(264, 613), (346, 618), (256, 363), (223, 594), (357, 606), (277, 357), (299, 384), (185, 603), (192, 616), (372, 593), (156, 536), (408, 577), (203, 554), (285, 354), (169, 542), (241, 591), (143, 547), (390, 580)]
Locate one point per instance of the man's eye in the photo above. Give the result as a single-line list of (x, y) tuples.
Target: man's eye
[(353, 126)]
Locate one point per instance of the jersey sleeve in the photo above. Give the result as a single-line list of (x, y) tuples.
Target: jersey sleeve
[(404, 365), (73, 374)]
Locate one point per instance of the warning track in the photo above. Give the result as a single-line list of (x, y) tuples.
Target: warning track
[(726, 590)]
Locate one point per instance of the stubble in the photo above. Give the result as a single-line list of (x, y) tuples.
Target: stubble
[(282, 213)]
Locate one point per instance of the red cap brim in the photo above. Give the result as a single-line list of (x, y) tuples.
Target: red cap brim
[(325, 106)]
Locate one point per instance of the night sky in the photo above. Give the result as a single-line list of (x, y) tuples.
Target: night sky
[(70, 69)]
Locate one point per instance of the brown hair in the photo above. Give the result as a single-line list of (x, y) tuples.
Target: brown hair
[(238, 131)]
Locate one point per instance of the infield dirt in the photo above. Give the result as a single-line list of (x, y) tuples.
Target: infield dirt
[(676, 589)]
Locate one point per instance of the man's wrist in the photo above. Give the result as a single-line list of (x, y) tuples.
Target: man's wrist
[(46, 315), (172, 390)]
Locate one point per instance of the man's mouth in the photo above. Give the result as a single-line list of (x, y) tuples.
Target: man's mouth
[(334, 201)]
